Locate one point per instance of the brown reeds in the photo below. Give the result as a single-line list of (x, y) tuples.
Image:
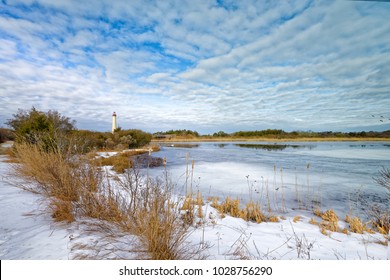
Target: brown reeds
[(52, 173), (329, 222)]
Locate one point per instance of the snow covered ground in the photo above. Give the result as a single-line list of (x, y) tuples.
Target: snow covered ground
[(28, 232)]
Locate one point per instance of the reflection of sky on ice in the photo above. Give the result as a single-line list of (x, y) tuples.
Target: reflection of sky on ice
[(332, 175)]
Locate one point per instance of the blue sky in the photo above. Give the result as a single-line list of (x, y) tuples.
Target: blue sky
[(204, 65)]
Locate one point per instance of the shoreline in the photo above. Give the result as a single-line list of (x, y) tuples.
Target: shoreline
[(314, 139)]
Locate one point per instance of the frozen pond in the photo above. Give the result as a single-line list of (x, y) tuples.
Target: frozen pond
[(330, 175)]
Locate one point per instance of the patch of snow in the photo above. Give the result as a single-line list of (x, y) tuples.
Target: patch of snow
[(106, 154), (26, 232)]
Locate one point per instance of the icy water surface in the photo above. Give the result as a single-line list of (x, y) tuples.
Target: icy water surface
[(337, 175)]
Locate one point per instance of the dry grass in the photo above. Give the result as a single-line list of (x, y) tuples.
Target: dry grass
[(329, 221), (9, 152), (253, 213), (318, 212), (313, 221), (161, 233), (297, 219), (230, 207), (199, 203), (53, 174), (62, 211), (119, 162), (273, 219), (380, 220), (355, 224)]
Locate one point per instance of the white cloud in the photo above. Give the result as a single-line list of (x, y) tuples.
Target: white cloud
[(246, 64)]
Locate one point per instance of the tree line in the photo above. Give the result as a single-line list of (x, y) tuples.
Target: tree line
[(274, 133)]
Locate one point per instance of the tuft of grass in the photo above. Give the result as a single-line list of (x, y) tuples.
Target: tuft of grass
[(329, 221), (159, 226), (313, 221), (318, 212), (252, 213), (62, 211), (324, 231), (230, 207), (273, 219), (297, 219), (380, 220), (357, 226)]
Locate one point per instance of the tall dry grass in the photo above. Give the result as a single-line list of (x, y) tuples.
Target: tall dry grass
[(51, 172)]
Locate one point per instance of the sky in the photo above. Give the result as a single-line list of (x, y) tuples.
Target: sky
[(205, 65)]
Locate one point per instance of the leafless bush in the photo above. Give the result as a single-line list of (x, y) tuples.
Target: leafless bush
[(384, 178)]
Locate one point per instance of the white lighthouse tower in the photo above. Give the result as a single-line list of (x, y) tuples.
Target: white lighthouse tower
[(113, 122)]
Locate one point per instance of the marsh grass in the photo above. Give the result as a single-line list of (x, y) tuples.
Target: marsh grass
[(380, 220), (357, 226), (250, 212), (53, 174), (119, 162), (329, 221)]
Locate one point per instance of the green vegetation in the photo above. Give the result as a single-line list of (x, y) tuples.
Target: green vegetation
[(183, 133), (273, 134), (50, 129)]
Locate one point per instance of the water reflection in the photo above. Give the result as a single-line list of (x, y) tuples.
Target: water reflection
[(180, 145), (273, 147)]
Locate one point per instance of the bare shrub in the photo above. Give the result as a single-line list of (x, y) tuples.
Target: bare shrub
[(380, 220), (384, 178)]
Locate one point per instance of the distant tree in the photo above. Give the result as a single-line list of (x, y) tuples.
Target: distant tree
[(183, 132), (220, 134)]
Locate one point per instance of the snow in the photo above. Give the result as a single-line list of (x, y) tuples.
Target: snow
[(27, 231), (106, 154), (236, 238)]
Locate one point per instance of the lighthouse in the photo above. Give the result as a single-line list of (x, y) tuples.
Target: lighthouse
[(113, 122)]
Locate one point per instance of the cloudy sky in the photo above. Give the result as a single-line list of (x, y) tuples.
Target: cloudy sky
[(205, 65)]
